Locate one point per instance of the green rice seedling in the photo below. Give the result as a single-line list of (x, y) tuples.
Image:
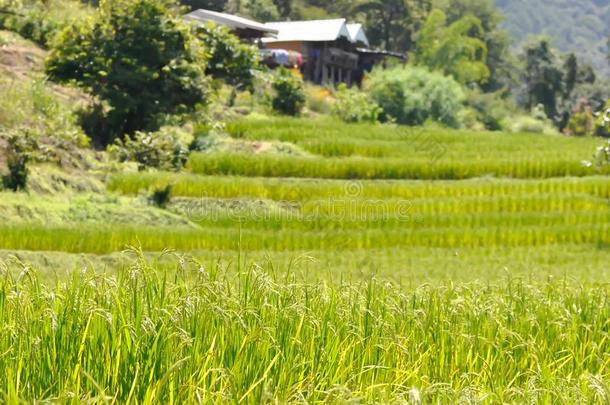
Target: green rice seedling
[(190, 185), (235, 164), (107, 239), (336, 139), (198, 335)]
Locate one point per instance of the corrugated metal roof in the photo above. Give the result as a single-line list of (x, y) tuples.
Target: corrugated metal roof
[(229, 20), (310, 31), (357, 34)]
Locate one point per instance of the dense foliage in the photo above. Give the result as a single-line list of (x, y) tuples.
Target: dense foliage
[(289, 98), (228, 59), (454, 49), (413, 95), (352, 105), (19, 151), (163, 149), (138, 57)]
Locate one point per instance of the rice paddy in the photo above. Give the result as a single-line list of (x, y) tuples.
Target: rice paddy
[(262, 336), (369, 270)]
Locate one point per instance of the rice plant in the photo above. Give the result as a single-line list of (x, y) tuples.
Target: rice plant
[(236, 164), (189, 185), (198, 335)]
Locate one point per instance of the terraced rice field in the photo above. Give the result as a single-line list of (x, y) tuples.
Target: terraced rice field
[(360, 188), (371, 268)]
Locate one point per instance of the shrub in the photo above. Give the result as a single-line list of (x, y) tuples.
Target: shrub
[(162, 196), (469, 119), (289, 97), (490, 108), (160, 150), (19, 151), (526, 123), (580, 124), (413, 95), (353, 105), (602, 122), (136, 56)]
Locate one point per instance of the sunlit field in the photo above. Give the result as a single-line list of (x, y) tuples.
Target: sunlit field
[(261, 335), (363, 271)]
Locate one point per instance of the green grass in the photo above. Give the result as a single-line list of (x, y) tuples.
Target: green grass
[(262, 336)]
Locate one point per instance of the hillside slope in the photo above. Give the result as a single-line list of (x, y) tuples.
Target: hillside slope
[(580, 26)]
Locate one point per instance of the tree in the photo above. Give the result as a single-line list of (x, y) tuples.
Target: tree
[(261, 10), (228, 58), (214, 5), (453, 49), (284, 7), (500, 61), (543, 76), (571, 74), (392, 24), (136, 56)]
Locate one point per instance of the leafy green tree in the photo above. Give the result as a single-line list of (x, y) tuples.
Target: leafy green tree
[(571, 74), (454, 49), (136, 56), (503, 70), (543, 76), (214, 5), (260, 10), (284, 7), (228, 58), (392, 24)]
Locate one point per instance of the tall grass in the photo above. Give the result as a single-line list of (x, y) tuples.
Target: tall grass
[(194, 335)]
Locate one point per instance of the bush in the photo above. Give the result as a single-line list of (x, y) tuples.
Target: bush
[(353, 105), (19, 151), (532, 124), (138, 57), (412, 95), (289, 97), (160, 150), (602, 122), (160, 197), (491, 108), (469, 119), (580, 124)]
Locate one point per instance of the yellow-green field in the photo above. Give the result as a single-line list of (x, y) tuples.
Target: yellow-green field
[(378, 265)]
